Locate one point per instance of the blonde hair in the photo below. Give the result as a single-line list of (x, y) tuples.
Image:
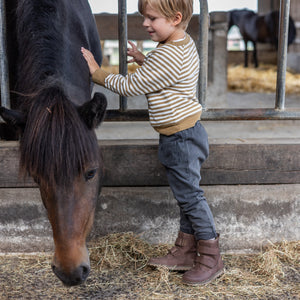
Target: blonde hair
[(169, 8)]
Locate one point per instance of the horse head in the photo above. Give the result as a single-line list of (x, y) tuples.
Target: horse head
[(59, 149), (235, 16)]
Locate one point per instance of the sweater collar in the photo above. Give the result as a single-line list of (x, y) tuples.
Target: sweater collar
[(177, 43)]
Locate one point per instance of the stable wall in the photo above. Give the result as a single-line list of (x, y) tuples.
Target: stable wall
[(252, 186)]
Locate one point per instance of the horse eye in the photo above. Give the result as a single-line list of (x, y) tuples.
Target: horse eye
[(90, 174)]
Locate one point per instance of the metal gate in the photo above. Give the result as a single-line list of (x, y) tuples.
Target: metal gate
[(279, 112)]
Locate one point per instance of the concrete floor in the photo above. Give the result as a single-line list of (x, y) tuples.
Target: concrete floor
[(282, 129), (216, 129)]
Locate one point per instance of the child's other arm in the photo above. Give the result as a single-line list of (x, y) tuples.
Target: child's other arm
[(137, 56)]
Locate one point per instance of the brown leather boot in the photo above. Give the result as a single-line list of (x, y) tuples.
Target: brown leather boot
[(181, 257), (208, 263)]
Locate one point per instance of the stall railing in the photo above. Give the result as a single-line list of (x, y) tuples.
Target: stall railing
[(279, 112)]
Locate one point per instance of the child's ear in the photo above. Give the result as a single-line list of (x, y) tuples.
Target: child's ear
[(177, 18)]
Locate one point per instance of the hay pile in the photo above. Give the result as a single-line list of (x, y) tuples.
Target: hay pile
[(119, 272), (260, 80)]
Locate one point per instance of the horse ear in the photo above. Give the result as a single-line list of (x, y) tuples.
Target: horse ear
[(13, 117), (93, 111)]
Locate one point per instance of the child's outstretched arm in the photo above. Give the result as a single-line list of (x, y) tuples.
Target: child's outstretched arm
[(138, 56), (89, 57)]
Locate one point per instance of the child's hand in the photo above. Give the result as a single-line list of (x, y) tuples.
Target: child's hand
[(89, 57), (138, 56)]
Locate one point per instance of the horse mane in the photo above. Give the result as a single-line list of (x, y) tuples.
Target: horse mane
[(56, 144), (40, 38)]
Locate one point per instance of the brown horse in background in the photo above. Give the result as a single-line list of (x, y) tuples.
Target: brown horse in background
[(58, 146), (258, 29)]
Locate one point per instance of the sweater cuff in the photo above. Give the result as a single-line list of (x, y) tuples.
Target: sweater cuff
[(99, 76)]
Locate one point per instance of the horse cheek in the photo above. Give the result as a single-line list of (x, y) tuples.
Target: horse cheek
[(88, 191)]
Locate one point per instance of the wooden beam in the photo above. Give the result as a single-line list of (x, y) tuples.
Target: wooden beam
[(107, 25), (135, 163)]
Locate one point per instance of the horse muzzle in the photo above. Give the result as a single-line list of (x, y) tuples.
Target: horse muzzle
[(75, 277)]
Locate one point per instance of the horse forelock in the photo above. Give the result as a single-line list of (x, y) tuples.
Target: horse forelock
[(56, 145)]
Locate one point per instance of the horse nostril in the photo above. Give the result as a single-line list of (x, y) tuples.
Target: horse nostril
[(82, 274), (85, 271)]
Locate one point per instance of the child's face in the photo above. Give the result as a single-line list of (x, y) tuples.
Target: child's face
[(159, 27)]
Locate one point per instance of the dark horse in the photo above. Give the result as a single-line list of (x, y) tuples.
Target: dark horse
[(258, 29), (57, 117)]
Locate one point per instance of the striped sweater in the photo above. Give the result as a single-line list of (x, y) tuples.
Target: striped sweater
[(168, 78)]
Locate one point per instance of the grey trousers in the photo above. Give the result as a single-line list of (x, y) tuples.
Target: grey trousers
[(182, 154)]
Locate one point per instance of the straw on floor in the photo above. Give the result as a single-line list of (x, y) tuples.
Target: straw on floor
[(119, 271), (260, 80)]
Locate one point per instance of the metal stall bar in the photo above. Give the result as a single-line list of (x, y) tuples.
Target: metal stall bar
[(282, 53), (250, 114), (122, 31), (203, 52), (213, 114), (5, 99)]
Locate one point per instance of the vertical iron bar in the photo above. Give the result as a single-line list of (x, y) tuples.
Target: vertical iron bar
[(282, 53), (203, 52), (5, 100), (122, 31)]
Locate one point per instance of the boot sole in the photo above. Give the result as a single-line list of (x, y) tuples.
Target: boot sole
[(172, 268), (216, 275)]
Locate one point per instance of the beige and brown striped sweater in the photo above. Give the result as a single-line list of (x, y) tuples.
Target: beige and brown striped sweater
[(168, 78)]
